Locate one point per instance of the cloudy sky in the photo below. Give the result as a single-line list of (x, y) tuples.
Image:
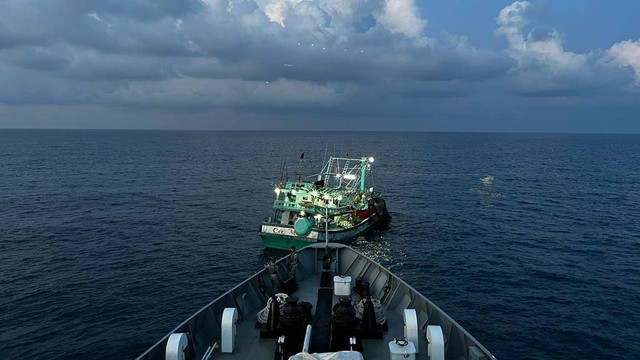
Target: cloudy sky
[(413, 65)]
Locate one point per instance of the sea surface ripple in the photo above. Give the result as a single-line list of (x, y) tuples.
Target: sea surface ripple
[(111, 238)]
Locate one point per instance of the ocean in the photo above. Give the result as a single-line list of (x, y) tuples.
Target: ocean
[(109, 239)]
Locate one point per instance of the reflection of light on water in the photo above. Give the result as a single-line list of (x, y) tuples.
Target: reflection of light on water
[(487, 182), (380, 250), (486, 193)]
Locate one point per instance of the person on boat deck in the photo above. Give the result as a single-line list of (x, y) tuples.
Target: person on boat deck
[(292, 261)]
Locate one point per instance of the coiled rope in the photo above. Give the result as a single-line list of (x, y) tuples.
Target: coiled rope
[(377, 308), (263, 315)]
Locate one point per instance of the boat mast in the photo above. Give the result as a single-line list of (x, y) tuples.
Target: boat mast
[(363, 170)]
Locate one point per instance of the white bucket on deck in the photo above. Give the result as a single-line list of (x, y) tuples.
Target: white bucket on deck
[(342, 285), (399, 351)]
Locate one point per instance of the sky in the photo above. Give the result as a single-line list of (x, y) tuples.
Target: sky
[(353, 65)]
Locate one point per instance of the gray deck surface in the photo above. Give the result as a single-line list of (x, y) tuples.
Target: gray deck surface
[(249, 345), (249, 298)]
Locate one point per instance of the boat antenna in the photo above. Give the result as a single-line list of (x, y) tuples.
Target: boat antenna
[(363, 172), (299, 168), (324, 159), (282, 171)]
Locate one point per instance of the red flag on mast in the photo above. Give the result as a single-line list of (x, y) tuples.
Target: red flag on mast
[(302, 155)]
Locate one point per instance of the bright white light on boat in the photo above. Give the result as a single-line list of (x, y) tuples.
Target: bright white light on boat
[(277, 190), (318, 217), (339, 197), (371, 159), (301, 213), (338, 175), (371, 189), (349, 176)]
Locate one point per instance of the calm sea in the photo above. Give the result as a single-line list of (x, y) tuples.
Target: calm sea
[(109, 239)]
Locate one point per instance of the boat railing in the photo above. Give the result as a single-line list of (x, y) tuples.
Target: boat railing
[(399, 295), (204, 326), (287, 205), (313, 209)]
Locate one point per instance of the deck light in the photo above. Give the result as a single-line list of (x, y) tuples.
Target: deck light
[(277, 190), (371, 159)]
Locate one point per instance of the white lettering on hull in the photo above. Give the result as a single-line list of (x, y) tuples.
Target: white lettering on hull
[(285, 231)]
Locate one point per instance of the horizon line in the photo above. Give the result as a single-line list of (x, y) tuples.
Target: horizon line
[(326, 131)]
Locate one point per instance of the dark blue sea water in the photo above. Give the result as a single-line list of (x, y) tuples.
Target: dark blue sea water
[(109, 239)]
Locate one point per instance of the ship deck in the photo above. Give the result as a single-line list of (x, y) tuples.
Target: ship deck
[(395, 296), (249, 346)]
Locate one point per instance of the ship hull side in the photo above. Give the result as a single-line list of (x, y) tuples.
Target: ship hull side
[(282, 237)]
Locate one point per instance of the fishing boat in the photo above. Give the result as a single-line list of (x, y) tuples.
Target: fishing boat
[(336, 304), (337, 196)]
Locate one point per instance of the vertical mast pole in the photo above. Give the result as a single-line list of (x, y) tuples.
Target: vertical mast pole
[(363, 171)]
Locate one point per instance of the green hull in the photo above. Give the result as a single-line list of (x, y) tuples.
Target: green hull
[(284, 242), (380, 220)]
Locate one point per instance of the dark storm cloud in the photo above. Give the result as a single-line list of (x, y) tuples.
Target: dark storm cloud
[(454, 59), (142, 10), (46, 59), (346, 57)]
